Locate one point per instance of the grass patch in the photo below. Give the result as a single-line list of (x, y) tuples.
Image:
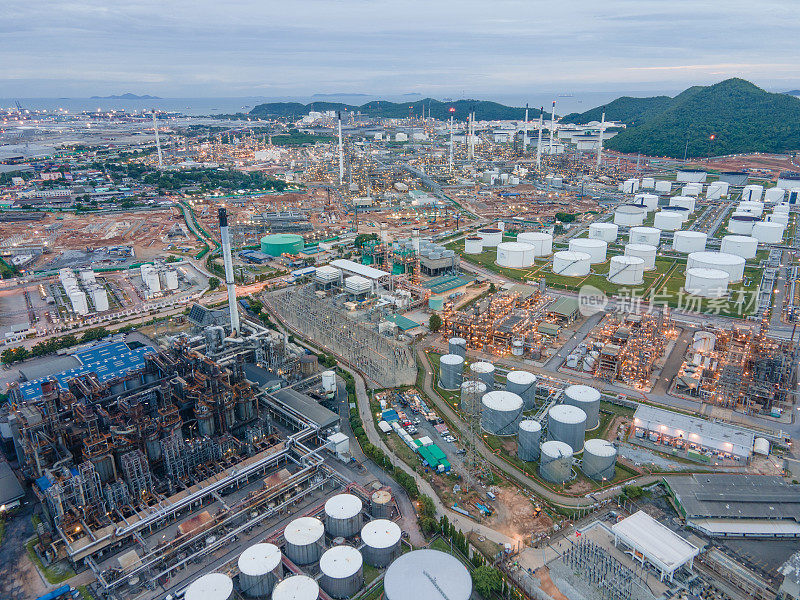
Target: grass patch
[(52, 573), (370, 574)]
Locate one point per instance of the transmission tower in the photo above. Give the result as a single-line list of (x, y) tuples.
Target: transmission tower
[(475, 465)]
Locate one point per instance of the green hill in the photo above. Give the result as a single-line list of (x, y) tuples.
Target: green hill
[(484, 109), (740, 116), (626, 109)]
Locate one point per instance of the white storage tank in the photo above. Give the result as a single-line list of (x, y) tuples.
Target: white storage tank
[(683, 201), (259, 570), (599, 460), (691, 175), (644, 235), (457, 346), (555, 462), (571, 264), (626, 270), (304, 537), (707, 283), (491, 236), (768, 232), (473, 245), (648, 183), (643, 251), (427, 575), (523, 384), (99, 298), (668, 220), (774, 195), (296, 587), (171, 279), (752, 193), (342, 569), (514, 255), (779, 217), (782, 208), (596, 249), (471, 393), (742, 224), (648, 201), (629, 215), (587, 399), (740, 245), (751, 208), (730, 263), (704, 341), (78, 300), (212, 586), (717, 189), (542, 242), (343, 515), (381, 539), (501, 412), (663, 186), (692, 189), (630, 186), (528, 439), (451, 371), (603, 231), (566, 423), (689, 241), (483, 371)]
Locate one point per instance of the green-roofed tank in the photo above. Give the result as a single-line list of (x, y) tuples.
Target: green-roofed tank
[(277, 244)]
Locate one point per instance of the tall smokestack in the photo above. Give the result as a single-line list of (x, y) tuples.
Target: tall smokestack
[(341, 150), (158, 141), (525, 132), (415, 240), (450, 163), (228, 260), (552, 126), (539, 144), (600, 143)]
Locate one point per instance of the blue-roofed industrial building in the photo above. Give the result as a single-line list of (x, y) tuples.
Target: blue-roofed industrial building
[(107, 360)]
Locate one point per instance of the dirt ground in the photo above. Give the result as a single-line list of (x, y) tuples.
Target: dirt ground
[(515, 515), (547, 585)]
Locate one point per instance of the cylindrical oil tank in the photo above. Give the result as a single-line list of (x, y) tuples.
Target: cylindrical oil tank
[(259, 570), (740, 245), (473, 244), (514, 255), (212, 586), (305, 538), (730, 263), (689, 241), (704, 341), (778, 217), (768, 232), (329, 383), (629, 215), (774, 195), (648, 183), (296, 587), (471, 393), (587, 399), (599, 459), (566, 423), (451, 371), (648, 201), (683, 201), (245, 408), (596, 249), (644, 235), (663, 186), (381, 539), (427, 575), (555, 462), (205, 420), (643, 251), (104, 465), (741, 224), (603, 231), (542, 242), (501, 412), (483, 371), (381, 504), (523, 384), (342, 569), (752, 193), (457, 346), (716, 190), (343, 515), (707, 283), (528, 438), (491, 237), (668, 220), (626, 270), (692, 189), (782, 208), (751, 208), (571, 264)]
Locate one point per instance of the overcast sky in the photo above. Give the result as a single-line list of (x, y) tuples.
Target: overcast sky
[(486, 48)]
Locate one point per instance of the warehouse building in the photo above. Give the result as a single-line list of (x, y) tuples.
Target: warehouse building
[(737, 505), (697, 438)]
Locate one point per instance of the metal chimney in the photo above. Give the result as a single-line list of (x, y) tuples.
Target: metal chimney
[(228, 260)]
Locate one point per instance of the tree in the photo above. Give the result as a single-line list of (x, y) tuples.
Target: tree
[(487, 581), (435, 323), (492, 288), (565, 217), (213, 283)]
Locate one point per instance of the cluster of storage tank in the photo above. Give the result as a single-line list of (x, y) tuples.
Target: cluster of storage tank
[(584, 357), (77, 296), (748, 219)]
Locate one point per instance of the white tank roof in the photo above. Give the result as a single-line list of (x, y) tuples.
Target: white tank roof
[(590, 243), (641, 247), (514, 247), (716, 258), (710, 275), (340, 562), (555, 449), (691, 234), (572, 256), (566, 413), (482, 367), (304, 530), (599, 447), (534, 235), (606, 226), (451, 359), (427, 575), (259, 559), (644, 230), (343, 506), (381, 533), (530, 425), (213, 586), (521, 377), (296, 587), (583, 393), (502, 401)]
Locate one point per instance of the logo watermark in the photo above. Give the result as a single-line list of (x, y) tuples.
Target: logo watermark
[(591, 300)]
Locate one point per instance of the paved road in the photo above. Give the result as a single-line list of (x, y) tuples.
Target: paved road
[(558, 358), (19, 578)]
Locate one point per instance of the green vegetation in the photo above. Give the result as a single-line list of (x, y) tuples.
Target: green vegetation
[(53, 573), (7, 271), (565, 217), (213, 283), (487, 580), (626, 109), (435, 323), (12, 355), (294, 138)]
